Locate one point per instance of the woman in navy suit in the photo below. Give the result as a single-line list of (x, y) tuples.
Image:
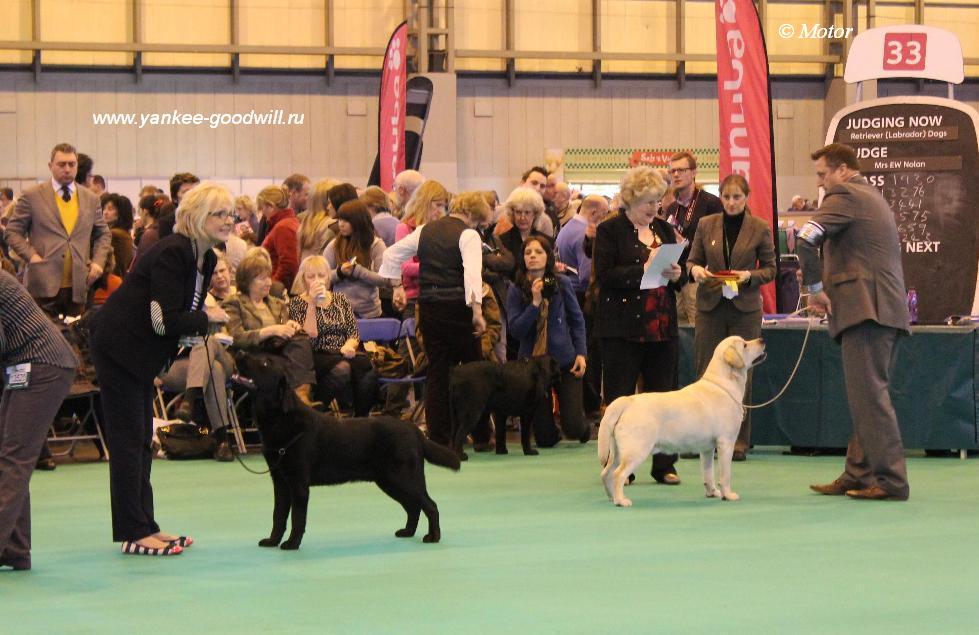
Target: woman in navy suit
[(137, 333)]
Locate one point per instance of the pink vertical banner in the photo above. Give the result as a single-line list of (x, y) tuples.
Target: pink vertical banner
[(745, 107), (391, 108)]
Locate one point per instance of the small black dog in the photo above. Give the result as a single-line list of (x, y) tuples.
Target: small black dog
[(304, 447), (516, 388)]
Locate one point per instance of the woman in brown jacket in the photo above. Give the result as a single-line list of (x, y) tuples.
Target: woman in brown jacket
[(260, 324)]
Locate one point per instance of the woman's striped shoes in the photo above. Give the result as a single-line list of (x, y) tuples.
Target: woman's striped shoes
[(133, 548), (182, 541)]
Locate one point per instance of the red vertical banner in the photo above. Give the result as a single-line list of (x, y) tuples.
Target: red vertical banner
[(745, 107), (391, 108)]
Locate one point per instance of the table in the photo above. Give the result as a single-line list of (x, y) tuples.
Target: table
[(933, 387)]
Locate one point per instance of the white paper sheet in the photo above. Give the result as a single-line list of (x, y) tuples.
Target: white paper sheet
[(668, 255)]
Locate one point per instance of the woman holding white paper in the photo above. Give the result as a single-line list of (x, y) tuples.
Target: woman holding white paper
[(638, 328), (739, 245)]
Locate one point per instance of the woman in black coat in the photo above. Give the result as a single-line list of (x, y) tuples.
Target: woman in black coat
[(637, 328), (159, 306)]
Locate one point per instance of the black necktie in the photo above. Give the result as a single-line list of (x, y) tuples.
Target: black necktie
[(65, 193)]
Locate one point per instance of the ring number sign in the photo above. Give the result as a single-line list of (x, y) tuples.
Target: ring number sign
[(905, 51)]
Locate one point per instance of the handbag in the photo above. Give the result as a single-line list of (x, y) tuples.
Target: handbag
[(181, 441)]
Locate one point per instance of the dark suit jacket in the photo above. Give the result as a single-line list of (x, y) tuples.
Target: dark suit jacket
[(862, 272), (140, 325), (754, 251), (618, 266), (35, 227)]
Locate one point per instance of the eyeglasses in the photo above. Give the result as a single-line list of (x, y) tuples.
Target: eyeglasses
[(679, 170), (223, 214), (523, 212)]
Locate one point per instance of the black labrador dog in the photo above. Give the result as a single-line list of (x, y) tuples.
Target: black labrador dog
[(517, 388), (304, 447)]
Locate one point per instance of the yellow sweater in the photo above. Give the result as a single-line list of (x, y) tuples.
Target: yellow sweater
[(69, 216)]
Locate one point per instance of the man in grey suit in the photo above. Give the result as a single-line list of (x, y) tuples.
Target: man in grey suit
[(866, 302), (58, 230)]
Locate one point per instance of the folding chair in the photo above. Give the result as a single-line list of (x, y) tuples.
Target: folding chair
[(162, 408), (76, 431), (387, 331)]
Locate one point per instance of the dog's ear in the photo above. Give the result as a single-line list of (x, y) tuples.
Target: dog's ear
[(285, 397), (733, 357)]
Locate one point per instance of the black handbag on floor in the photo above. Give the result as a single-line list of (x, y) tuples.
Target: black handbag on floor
[(186, 441)]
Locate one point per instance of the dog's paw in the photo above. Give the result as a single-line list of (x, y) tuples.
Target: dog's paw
[(462, 456), (530, 452), (404, 533), (500, 450), (731, 496), (290, 545), (623, 502), (712, 492), (433, 537), (268, 542)]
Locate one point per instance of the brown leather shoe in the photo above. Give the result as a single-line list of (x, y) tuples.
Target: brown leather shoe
[(839, 487), (874, 493)]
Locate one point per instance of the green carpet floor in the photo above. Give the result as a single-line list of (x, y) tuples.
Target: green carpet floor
[(530, 545)]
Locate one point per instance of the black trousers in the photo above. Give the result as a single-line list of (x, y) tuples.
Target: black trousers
[(657, 363), (592, 381), (569, 399), (127, 405), (448, 341), (347, 380)]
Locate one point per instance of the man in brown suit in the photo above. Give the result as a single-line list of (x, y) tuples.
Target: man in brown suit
[(58, 230), (866, 302)]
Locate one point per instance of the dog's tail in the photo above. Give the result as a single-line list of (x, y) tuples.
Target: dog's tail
[(440, 455), (607, 427)]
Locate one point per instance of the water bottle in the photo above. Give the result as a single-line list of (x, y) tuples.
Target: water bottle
[(913, 305)]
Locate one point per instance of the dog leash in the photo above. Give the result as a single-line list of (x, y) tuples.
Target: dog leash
[(234, 452), (281, 452), (798, 361)]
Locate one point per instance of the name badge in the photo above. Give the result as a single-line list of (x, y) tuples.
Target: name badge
[(18, 377)]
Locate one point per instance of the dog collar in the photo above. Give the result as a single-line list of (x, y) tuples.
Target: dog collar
[(724, 390)]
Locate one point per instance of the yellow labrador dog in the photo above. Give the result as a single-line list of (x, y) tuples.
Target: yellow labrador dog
[(704, 415)]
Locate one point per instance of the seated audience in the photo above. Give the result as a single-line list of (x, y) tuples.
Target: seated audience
[(118, 214), (379, 206), (260, 324), (355, 256), (317, 225), (247, 219), (428, 203), (200, 373), (329, 321), (282, 240)]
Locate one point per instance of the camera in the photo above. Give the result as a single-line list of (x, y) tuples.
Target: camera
[(550, 287)]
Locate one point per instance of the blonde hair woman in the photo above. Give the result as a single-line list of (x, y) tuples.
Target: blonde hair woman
[(247, 219), (160, 303), (282, 240), (318, 226), (329, 321), (637, 328), (428, 203)]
